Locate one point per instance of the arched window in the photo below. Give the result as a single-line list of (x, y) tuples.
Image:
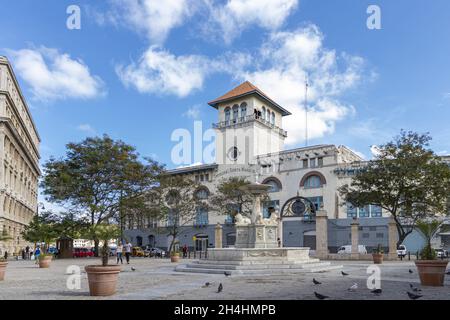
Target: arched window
[(235, 113), (243, 110), (263, 116), (227, 114), (201, 218), (313, 182), (275, 184), (272, 119), (202, 194)]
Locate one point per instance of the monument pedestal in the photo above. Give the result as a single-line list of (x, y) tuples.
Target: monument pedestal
[(256, 236)]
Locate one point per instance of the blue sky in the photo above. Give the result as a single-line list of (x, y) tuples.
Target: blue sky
[(138, 70)]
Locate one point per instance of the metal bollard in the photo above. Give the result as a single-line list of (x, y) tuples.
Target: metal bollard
[(409, 256)]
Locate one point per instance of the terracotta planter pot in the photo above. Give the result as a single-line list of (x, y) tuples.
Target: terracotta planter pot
[(175, 258), (377, 258), (3, 265), (102, 280), (431, 272), (45, 261)]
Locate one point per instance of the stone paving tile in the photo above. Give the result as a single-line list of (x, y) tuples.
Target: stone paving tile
[(156, 279)]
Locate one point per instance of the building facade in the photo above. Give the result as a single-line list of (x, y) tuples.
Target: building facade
[(19, 161), (250, 143)]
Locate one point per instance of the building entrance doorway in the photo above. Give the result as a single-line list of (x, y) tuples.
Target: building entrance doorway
[(309, 239), (201, 242)]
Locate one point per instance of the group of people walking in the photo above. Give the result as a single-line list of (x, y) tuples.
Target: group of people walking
[(121, 249)]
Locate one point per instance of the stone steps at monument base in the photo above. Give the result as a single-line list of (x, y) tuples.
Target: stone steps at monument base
[(258, 269), (256, 262), (267, 265)]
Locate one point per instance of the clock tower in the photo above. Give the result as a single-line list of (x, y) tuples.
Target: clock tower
[(250, 124)]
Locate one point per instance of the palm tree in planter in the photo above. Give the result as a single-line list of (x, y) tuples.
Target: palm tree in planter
[(103, 278), (431, 270), (3, 263), (43, 229), (377, 255)]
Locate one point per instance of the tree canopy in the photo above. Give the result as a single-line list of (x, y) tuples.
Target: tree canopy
[(99, 179), (406, 179)]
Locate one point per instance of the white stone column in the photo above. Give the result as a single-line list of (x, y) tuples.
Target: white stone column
[(393, 238), (321, 234), (355, 239), (218, 236)]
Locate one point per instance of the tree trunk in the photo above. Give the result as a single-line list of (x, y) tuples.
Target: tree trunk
[(96, 245)]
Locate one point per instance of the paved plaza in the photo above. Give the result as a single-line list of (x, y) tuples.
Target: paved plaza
[(155, 279)]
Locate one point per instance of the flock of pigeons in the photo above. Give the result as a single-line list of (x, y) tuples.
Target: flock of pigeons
[(353, 288), (412, 295)]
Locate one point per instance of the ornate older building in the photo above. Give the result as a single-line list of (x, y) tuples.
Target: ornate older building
[(19, 161), (250, 143)]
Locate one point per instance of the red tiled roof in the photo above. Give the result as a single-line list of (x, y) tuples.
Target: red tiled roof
[(244, 89)]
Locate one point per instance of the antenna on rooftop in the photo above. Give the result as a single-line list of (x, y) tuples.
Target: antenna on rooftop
[(306, 109)]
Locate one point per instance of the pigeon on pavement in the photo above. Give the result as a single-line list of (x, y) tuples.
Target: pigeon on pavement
[(413, 296), (377, 291), (227, 273), (344, 274), (133, 269), (410, 271), (320, 296), (219, 290), (414, 288), (316, 282), (353, 287)]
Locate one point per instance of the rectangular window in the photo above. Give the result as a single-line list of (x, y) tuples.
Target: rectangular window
[(375, 211), (312, 162), (380, 235), (372, 228), (364, 212), (366, 235), (320, 161), (305, 163), (317, 201), (351, 211)]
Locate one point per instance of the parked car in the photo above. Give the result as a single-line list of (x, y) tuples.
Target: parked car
[(402, 251), (441, 253), (137, 252), (348, 249), (82, 253), (157, 252)]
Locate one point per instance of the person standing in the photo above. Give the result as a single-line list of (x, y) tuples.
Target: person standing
[(128, 247), (27, 252), (119, 253), (37, 253)]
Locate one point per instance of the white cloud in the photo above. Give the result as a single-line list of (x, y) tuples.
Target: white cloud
[(154, 19), (87, 128), (160, 72), (279, 67), (285, 60), (193, 112), (375, 150), (53, 75), (230, 19)]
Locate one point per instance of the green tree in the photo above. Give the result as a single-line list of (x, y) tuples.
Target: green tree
[(174, 203), (406, 179), (43, 228), (430, 229), (230, 198), (103, 232), (99, 179)]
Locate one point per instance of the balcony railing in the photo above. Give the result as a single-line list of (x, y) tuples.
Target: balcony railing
[(247, 119)]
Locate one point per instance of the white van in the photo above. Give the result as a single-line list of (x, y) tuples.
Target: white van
[(348, 249)]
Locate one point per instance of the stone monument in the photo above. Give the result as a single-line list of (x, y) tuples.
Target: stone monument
[(256, 249)]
